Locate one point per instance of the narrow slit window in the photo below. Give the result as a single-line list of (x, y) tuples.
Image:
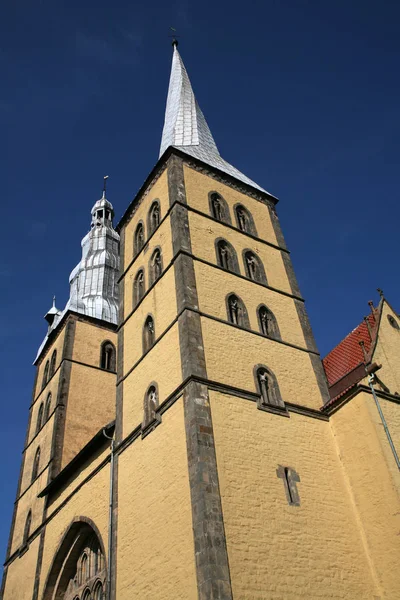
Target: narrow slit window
[(138, 287), (45, 374), (148, 334), (107, 358), (36, 464), (154, 216), (39, 421), (139, 238), (53, 363)]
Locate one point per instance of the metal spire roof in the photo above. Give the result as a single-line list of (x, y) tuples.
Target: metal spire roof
[(185, 127), (93, 283)]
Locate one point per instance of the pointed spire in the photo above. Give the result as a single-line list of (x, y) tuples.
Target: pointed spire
[(185, 126)]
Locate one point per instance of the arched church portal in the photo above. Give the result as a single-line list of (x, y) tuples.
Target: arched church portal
[(79, 569)]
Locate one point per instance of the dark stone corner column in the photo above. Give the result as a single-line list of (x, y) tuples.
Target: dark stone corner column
[(212, 567)]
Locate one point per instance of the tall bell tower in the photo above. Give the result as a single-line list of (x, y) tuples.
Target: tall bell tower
[(191, 449)]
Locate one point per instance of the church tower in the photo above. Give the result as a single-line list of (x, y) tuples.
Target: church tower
[(222, 476)]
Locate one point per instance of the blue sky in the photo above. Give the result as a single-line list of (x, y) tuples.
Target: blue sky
[(302, 96)]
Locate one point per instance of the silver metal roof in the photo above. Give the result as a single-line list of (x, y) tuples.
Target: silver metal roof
[(185, 127), (94, 289)]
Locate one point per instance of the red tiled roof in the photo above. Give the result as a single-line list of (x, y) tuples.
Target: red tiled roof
[(348, 354)]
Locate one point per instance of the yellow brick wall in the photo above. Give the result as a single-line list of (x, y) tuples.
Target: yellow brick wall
[(21, 575), (161, 303), (232, 353), (162, 238), (155, 539), (212, 289), (163, 365), (203, 234), (91, 502), (374, 481), (43, 439), (198, 186), (88, 340), (158, 191), (51, 388), (275, 550), (56, 345), (79, 476), (91, 405), (29, 501)]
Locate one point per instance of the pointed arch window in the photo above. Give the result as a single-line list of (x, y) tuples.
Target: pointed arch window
[(53, 363), (267, 322), (36, 464), (138, 287), (218, 207), (39, 421), (107, 356), (244, 220), (47, 408), (27, 528), (254, 267), (226, 256), (237, 313), (156, 265), (139, 239), (148, 334), (154, 217), (45, 374), (268, 388)]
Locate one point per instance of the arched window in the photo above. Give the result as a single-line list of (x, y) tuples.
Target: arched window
[(39, 421), (53, 363), (226, 256), (268, 388), (84, 569), (155, 267), (98, 592), (138, 287), (267, 322), (45, 374), (237, 313), (47, 408), (139, 239), (154, 217), (148, 334), (244, 220), (27, 528), (86, 595), (218, 207), (36, 463), (107, 356), (254, 267), (150, 406)]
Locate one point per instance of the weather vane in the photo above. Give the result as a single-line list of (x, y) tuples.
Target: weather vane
[(174, 36), (105, 184)]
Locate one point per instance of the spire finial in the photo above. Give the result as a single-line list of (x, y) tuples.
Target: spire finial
[(380, 292), (54, 301), (105, 185)]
